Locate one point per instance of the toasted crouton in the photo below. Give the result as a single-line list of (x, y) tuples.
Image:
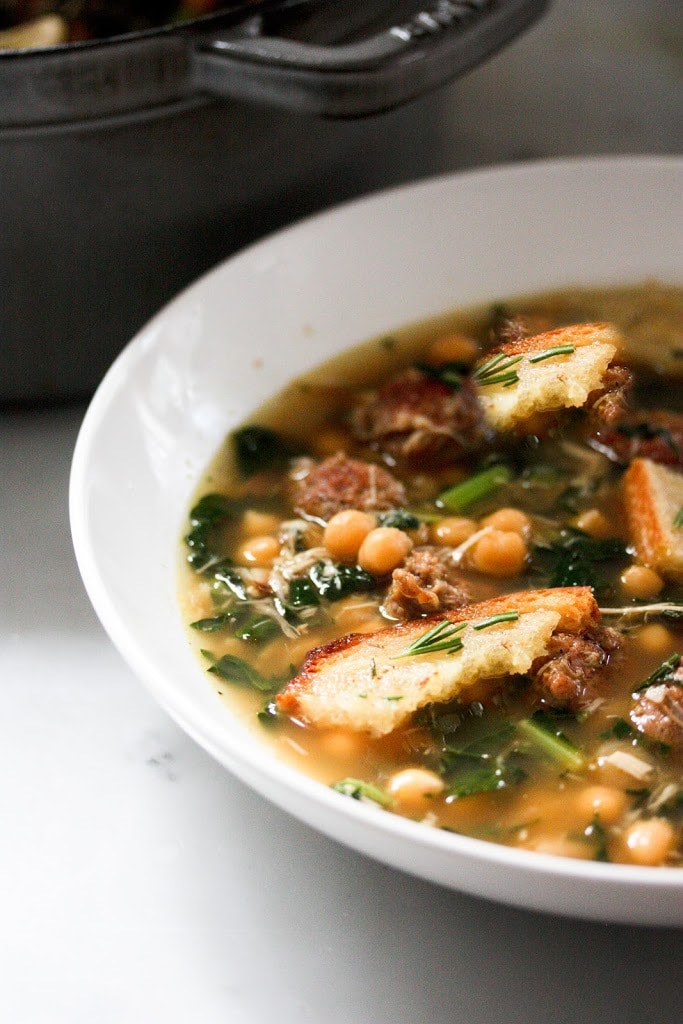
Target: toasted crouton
[(558, 382), (653, 496), (367, 683)]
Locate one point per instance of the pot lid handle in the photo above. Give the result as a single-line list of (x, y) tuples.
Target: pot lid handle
[(376, 74)]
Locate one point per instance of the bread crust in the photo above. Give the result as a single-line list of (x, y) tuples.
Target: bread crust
[(336, 685), (653, 497), (561, 382)]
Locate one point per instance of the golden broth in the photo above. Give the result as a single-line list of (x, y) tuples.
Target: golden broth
[(591, 809)]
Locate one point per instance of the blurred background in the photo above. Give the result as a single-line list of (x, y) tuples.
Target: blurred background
[(111, 216)]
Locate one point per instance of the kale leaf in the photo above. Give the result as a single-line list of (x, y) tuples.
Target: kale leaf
[(571, 559), (257, 448)]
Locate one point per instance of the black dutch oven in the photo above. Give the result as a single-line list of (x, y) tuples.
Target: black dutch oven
[(132, 164)]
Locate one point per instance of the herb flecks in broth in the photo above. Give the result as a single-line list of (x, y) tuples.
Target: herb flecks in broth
[(393, 569)]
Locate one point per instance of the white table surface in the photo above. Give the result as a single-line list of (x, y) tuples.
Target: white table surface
[(139, 882)]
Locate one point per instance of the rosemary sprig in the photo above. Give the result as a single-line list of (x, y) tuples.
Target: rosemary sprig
[(549, 353), (495, 619), (498, 370), (664, 672), (441, 637), (445, 635)]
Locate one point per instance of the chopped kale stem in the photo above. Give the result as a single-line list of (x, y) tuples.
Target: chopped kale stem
[(540, 732), (458, 498)]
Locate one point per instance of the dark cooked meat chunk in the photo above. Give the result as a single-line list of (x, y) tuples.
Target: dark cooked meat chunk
[(651, 434), (658, 711), (415, 417), (426, 583), (569, 675), (340, 483), (609, 404)]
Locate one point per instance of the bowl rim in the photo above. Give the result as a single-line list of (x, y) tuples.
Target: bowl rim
[(246, 759)]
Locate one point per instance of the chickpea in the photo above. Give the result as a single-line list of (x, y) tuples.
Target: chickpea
[(452, 348), (649, 842), (500, 553), (383, 550), (412, 786), (654, 638), (639, 581), (342, 744), (255, 523), (595, 523), (259, 551), (509, 519), (345, 533), (603, 802), (452, 530)]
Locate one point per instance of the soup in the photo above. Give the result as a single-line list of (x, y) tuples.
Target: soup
[(443, 573)]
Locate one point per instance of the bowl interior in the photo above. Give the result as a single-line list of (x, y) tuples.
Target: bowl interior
[(287, 303)]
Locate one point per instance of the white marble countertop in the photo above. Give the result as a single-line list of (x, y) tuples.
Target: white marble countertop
[(140, 882)]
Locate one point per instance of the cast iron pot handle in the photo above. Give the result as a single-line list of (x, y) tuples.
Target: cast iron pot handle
[(367, 77)]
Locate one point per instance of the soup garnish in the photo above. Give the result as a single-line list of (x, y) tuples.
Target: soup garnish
[(444, 574)]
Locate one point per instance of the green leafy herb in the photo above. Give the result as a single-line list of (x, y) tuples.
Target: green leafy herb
[(458, 498), (210, 511), (498, 370), (333, 582), (570, 560), (229, 579), (445, 635), (495, 619), (400, 519), (213, 624), (363, 791), (269, 713), (663, 673), (678, 519), (259, 448), (596, 835), (236, 670), (302, 593), (620, 729), (542, 732), (257, 628), (441, 637), (550, 353), (481, 757)]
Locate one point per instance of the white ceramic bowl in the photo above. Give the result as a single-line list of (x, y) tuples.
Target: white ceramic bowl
[(279, 307)]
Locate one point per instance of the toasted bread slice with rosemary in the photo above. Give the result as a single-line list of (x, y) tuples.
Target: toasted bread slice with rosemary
[(548, 372), (374, 682), (653, 497)]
